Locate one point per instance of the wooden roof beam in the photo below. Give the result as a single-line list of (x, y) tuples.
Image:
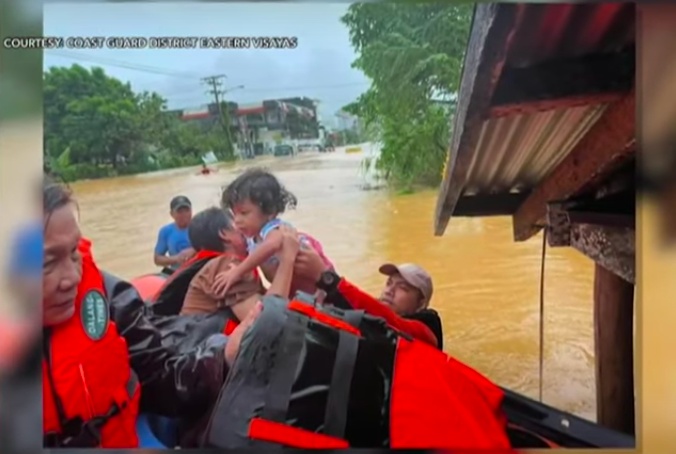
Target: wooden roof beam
[(592, 79), (488, 205), (607, 145), (606, 238), (493, 28)]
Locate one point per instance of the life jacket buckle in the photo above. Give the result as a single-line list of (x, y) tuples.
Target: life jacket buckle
[(80, 434)]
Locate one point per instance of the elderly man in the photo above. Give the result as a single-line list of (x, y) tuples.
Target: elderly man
[(101, 346), (408, 291)]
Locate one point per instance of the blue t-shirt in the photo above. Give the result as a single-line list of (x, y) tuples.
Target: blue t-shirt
[(27, 252), (171, 240)]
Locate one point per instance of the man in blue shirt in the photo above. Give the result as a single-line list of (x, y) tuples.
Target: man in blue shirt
[(173, 245)]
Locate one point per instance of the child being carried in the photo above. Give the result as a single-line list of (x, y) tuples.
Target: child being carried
[(256, 199)]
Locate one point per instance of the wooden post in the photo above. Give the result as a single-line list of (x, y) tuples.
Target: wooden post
[(613, 328)]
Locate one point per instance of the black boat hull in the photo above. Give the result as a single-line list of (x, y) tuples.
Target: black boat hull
[(536, 425)]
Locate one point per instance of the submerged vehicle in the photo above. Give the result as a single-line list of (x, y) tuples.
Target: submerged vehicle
[(531, 424)]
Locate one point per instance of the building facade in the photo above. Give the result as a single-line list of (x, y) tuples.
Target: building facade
[(258, 127)]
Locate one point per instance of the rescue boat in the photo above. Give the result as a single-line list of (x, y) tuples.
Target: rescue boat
[(531, 424)]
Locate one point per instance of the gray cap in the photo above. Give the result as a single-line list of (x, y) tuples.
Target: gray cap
[(180, 201), (415, 275)]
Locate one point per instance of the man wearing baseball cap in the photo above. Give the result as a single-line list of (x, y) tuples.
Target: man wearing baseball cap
[(173, 245), (408, 291)]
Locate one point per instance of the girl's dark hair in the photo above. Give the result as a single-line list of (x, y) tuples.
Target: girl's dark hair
[(55, 195), (205, 227), (260, 187)]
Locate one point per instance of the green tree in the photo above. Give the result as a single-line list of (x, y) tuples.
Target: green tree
[(413, 54), (94, 115), (95, 125)]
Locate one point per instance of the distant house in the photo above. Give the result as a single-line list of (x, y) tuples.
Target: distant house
[(259, 126)]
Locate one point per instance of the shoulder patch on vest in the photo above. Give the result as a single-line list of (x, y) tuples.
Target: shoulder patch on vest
[(94, 315)]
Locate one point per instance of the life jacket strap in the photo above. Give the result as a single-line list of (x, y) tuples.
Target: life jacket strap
[(289, 351), (284, 374), (77, 433), (335, 417)]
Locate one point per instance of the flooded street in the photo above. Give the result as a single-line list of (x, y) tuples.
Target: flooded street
[(486, 286)]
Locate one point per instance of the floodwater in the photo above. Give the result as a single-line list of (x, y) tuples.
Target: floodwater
[(487, 287)]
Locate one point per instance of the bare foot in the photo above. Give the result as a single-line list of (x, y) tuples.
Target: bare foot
[(235, 339)]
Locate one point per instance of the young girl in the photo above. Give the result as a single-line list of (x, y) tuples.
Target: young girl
[(256, 199)]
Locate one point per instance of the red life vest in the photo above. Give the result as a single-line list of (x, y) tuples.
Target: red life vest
[(90, 394), (200, 255)]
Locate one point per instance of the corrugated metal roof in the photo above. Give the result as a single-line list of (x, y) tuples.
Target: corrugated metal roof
[(515, 152), (553, 31)]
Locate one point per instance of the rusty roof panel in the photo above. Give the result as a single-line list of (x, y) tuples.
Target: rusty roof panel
[(554, 31), (515, 152)]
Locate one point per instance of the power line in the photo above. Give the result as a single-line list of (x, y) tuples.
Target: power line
[(167, 72), (309, 87), (104, 61), (121, 64)]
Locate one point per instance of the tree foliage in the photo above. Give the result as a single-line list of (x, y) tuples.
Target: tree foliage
[(413, 54), (96, 125)]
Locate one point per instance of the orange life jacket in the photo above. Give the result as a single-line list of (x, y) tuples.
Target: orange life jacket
[(90, 394)]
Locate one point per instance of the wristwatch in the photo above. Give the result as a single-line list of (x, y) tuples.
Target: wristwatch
[(328, 281)]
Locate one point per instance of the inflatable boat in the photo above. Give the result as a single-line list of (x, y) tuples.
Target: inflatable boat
[(531, 424)]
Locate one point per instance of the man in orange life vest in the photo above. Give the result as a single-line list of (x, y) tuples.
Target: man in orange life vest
[(423, 325), (100, 349)]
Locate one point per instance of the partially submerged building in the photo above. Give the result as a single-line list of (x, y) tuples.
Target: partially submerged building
[(545, 132)]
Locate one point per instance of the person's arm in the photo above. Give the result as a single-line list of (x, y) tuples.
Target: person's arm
[(281, 284), (179, 360), (359, 299), (268, 247), (161, 248), (309, 264)]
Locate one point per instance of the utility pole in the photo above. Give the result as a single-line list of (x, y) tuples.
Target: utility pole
[(215, 83)]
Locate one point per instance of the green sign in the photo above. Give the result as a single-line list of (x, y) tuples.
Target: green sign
[(95, 315)]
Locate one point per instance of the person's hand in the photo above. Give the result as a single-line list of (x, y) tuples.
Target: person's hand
[(235, 338), (223, 281), (309, 264), (187, 253), (183, 256), (290, 242)]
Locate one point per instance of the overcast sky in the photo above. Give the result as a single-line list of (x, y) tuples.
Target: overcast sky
[(318, 68)]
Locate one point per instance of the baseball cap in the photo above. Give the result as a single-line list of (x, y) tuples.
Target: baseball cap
[(415, 275), (180, 201)]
